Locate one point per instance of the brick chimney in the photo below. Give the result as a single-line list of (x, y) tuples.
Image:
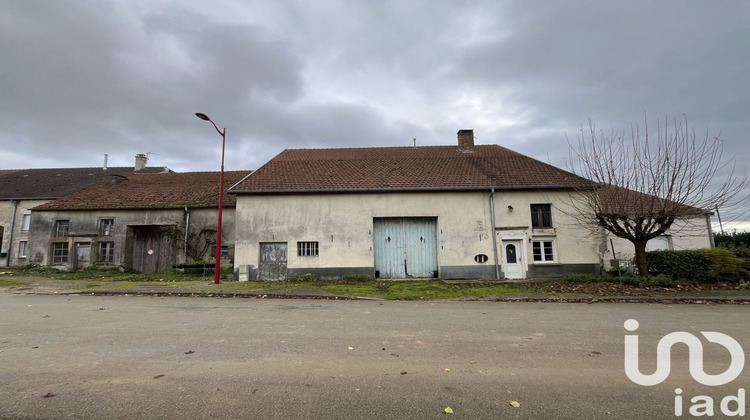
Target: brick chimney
[(140, 161), (466, 140)]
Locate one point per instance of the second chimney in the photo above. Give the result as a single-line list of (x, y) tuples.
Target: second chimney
[(140, 161), (466, 140)]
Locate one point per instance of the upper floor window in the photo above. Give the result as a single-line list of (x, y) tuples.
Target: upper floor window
[(106, 227), (26, 222), (62, 228), (541, 216)]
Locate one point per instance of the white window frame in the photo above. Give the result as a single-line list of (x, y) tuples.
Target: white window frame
[(23, 248), (543, 250), (26, 222)]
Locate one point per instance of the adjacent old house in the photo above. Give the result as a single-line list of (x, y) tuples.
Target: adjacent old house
[(456, 212), (148, 222), (21, 190)]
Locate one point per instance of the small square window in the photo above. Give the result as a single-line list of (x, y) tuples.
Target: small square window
[(307, 249), (541, 216), (106, 226), (543, 251), (224, 251), (62, 228), (26, 222), (22, 248)]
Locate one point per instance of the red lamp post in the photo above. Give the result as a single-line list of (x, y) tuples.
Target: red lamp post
[(217, 268)]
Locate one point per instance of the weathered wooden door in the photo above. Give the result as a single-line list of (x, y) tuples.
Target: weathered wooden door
[(405, 247), (273, 261), (153, 249), (83, 254)]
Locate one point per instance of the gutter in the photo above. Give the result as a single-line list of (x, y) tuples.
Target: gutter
[(390, 190), (494, 233), (187, 229)]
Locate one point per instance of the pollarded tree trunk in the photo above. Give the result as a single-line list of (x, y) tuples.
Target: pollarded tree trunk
[(640, 257)]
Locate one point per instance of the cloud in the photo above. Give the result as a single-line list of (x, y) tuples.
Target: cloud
[(80, 78)]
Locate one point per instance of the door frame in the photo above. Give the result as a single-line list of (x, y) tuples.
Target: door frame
[(520, 242), (79, 262)]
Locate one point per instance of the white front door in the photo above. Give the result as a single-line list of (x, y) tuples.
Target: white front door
[(513, 259)]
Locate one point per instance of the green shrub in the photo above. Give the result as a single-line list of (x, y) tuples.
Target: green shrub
[(698, 265), (661, 280), (303, 278), (580, 278), (734, 238), (39, 269), (355, 277), (97, 269)]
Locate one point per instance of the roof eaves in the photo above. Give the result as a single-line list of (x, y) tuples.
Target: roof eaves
[(386, 190), (125, 208)]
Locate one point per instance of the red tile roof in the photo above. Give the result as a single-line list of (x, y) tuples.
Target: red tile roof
[(405, 169), (150, 191), (47, 184)]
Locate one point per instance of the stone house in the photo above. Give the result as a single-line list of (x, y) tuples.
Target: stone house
[(23, 189), (148, 222)]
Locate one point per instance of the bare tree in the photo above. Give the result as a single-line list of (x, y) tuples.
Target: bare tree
[(641, 186)]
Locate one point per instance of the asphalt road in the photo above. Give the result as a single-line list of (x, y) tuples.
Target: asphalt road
[(121, 357)]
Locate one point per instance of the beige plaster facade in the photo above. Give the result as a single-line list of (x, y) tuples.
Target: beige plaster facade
[(342, 225)]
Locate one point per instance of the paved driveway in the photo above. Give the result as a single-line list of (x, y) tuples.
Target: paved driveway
[(124, 357)]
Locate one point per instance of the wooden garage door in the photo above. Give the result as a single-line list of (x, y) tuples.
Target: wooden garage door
[(405, 247)]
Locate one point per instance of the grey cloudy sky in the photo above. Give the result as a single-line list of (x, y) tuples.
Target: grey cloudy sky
[(81, 78)]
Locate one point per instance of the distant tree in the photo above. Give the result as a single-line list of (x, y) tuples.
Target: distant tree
[(642, 185)]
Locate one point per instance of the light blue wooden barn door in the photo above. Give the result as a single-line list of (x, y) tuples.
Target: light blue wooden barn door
[(421, 248), (388, 238), (405, 247)]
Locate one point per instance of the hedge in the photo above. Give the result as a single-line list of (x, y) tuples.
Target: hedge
[(698, 265)]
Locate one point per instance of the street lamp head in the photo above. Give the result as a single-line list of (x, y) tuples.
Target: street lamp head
[(202, 116)]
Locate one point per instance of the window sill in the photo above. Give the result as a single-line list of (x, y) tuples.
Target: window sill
[(546, 264)]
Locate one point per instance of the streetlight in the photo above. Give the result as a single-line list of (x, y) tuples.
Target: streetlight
[(217, 268)]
